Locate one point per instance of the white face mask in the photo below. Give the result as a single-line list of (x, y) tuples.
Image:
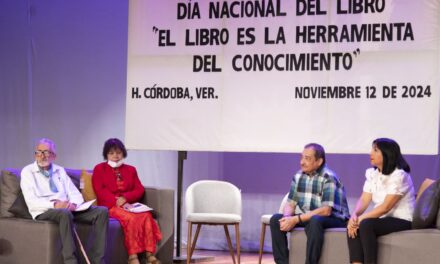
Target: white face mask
[(115, 164)]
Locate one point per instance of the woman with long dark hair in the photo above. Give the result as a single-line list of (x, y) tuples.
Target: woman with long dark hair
[(389, 186)]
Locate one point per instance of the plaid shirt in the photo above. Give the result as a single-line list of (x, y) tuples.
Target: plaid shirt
[(322, 188)]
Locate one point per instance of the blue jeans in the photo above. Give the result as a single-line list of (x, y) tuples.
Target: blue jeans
[(314, 229)]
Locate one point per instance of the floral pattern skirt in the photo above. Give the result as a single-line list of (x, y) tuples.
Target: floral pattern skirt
[(141, 231)]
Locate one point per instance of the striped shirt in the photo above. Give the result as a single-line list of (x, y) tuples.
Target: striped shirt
[(322, 188)]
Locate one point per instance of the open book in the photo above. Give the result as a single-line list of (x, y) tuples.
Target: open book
[(84, 206), (139, 208)]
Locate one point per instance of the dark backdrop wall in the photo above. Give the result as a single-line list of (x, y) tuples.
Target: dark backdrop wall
[(62, 76)]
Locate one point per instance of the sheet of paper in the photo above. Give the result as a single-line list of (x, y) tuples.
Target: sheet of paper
[(139, 208), (85, 205)]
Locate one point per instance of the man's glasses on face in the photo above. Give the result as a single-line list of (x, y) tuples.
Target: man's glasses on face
[(45, 153)]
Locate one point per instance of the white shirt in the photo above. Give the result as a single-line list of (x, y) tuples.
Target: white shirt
[(398, 182), (37, 193)]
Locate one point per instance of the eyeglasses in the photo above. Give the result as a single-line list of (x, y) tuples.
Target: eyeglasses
[(43, 152)]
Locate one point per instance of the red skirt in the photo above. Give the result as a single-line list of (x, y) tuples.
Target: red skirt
[(141, 231)]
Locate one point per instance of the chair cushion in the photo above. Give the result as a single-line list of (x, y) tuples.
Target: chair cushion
[(425, 184), (438, 220), (209, 196), (19, 207), (425, 213), (10, 185), (213, 218), (265, 219), (75, 176), (87, 187)]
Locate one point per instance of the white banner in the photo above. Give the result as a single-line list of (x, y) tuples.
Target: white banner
[(272, 76)]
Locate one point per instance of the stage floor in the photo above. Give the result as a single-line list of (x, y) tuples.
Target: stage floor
[(223, 257)]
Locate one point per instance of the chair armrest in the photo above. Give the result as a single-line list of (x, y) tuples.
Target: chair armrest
[(162, 201)]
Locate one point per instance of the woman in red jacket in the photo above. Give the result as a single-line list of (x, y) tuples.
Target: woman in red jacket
[(117, 186)]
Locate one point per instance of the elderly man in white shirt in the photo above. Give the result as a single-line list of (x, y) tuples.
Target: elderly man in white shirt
[(51, 195)]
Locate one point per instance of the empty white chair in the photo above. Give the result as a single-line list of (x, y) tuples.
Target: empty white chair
[(213, 203), (265, 221)]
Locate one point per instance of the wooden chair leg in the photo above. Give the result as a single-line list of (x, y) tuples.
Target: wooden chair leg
[(263, 233), (188, 246), (195, 238), (237, 237), (228, 238)]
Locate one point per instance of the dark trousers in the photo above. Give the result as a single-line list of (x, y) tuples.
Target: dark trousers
[(95, 215), (363, 248), (315, 237)]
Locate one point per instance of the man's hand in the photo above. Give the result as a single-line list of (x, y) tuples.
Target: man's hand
[(64, 205), (287, 223)]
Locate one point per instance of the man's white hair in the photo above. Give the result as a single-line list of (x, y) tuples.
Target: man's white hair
[(48, 142)]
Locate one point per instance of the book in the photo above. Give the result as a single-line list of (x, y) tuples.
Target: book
[(139, 208), (84, 206)]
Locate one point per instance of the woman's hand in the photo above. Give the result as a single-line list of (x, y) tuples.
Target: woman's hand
[(120, 201), (127, 206), (353, 226)]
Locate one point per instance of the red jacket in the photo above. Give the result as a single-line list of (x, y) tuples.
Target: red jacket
[(104, 184)]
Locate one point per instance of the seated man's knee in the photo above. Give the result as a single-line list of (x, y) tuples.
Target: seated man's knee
[(315, 222), (100, 213), (275, 220), (64, 214), (102, 210)]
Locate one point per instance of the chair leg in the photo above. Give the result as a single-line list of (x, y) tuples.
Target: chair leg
[(188, 246), (195, 238), (228, 238), (263, 233), (237, 237), (191, 244)]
